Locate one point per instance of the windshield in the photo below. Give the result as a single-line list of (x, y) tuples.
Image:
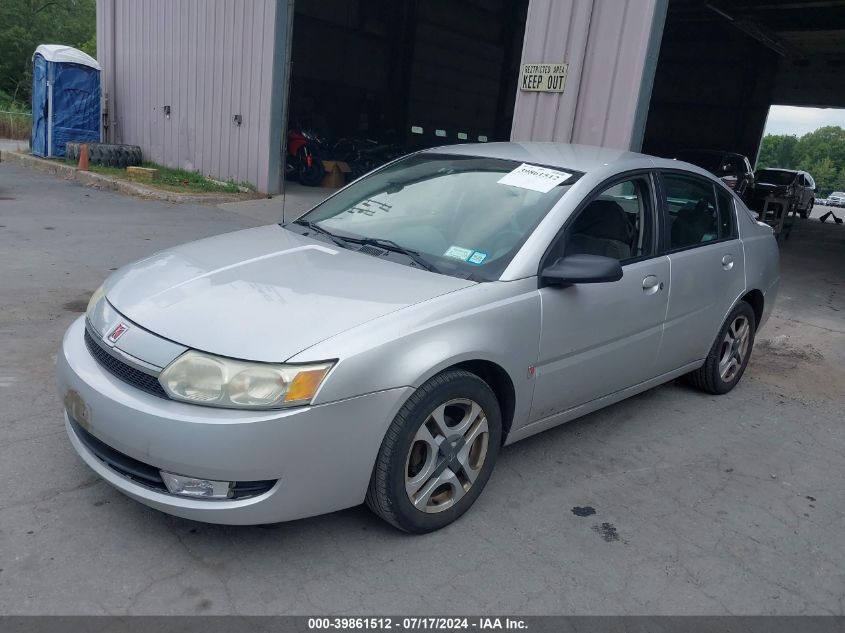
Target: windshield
[(775, 177), (464, 215)]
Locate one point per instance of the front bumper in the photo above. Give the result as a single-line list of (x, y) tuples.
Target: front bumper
[(322, 456)]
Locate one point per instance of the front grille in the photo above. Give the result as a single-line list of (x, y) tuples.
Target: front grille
[(148, 476), (125, 372)]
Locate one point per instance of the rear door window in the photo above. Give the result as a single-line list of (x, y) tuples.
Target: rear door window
[(727, 223), (692, 210)]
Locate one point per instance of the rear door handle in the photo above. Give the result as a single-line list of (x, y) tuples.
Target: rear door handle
[(728, 262), (652, 284)]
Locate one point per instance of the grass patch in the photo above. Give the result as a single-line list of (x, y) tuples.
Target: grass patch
[(15, 119), (173, 179)]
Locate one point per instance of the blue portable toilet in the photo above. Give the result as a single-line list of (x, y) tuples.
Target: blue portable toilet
[(65, 99)]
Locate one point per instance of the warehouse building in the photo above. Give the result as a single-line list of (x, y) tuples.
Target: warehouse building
[(210, 85)]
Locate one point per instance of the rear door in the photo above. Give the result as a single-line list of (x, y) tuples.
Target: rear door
[(706, 261)]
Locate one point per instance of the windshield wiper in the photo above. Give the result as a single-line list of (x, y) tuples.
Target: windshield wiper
[(319, 229), (390, 245), (386, 244)]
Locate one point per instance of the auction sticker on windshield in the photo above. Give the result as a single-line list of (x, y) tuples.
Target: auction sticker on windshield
[(456, 252), (535, 178)]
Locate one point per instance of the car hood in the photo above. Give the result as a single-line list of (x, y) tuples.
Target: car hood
[(265, 294)]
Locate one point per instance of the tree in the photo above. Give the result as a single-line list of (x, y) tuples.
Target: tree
[(777, 150), (821, 153), (24, 24), (825, 174), (825, 142)]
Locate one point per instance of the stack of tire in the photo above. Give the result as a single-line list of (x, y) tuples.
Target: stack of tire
[(108, 154)]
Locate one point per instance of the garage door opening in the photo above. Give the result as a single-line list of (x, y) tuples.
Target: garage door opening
[(723, 64), (393, 76), (806, 139)]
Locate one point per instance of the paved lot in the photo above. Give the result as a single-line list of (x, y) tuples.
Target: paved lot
[(704, 504)]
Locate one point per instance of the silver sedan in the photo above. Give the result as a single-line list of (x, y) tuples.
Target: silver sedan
[(383, 347)]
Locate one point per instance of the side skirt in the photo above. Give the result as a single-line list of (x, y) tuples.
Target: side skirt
[(594, 405)]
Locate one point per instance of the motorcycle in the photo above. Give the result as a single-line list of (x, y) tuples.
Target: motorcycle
[(303, 161), (364, 155)]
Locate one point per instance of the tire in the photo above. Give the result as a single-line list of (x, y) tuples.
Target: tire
[(95, 155), (806, 212), (310, 176), (109, 154), (445, 482), (726, 362)]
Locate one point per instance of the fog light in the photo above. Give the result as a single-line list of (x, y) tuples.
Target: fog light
[(193, 487)]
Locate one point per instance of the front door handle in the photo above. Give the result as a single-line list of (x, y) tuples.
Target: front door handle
[(652, 284), (728, 262)]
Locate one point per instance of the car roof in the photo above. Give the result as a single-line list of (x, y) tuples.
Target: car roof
[(596, 162), (584, 158), (693, 150)]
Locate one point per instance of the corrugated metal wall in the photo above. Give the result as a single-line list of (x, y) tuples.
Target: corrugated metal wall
[(208, 60), (611, 49)]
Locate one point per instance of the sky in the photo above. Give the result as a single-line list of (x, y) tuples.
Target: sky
[(799, 121)]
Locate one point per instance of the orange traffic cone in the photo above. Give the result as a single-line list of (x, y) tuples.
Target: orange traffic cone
[(83, 157)]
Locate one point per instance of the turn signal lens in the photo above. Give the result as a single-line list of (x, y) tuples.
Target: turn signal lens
[(305, 385)]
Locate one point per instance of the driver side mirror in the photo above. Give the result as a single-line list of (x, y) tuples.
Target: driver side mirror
[(582, 269)]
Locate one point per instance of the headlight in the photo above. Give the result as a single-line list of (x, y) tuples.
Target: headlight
[(99, 313), (99, 293), (223, 382)]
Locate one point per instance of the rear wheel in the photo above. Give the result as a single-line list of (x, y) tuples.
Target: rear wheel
[(437, 454), (728, 358)]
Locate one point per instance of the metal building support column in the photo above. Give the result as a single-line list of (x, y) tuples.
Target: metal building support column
[(279, 99), (611, 49), (106, 26)]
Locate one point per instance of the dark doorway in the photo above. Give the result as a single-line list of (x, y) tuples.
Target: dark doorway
[(406, 72), (722, 64)]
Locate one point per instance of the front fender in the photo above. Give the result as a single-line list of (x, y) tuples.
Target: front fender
[(497, 322)]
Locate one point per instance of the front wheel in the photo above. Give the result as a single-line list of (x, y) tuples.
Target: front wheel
[(310, 169), (437, 454), (728, 358), (806, 212)]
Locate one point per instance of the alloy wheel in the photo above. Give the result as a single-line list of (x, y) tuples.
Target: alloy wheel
[(446, 455), (734, 348)]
